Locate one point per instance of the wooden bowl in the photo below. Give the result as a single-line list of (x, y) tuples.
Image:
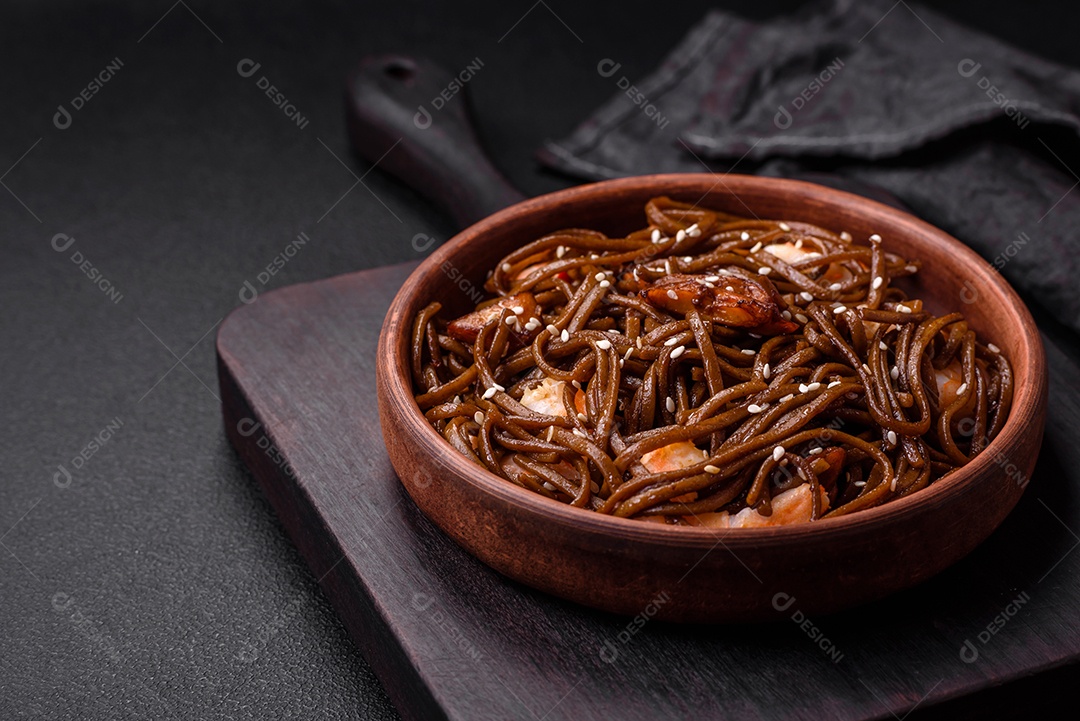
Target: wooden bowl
[(698, 574)]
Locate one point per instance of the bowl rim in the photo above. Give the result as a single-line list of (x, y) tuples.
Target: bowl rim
[(396, 382)]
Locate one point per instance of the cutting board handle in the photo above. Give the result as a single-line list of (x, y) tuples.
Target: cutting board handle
[(422, 108)]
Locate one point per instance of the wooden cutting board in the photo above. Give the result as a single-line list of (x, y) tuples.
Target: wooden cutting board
[(452, 639)]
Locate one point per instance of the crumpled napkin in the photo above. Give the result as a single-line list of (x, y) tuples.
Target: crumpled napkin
[(974, 136)]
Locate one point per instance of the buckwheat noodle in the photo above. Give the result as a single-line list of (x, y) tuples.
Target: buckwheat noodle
[(705, 365)]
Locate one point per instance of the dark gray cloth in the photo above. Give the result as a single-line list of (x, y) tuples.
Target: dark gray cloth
[(970, 134)]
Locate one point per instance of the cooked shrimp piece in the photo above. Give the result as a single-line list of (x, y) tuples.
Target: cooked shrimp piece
[(795, 505), (948, 379), (788, 253), (673, 456), (546, 397), (468, 326), (731, 300)]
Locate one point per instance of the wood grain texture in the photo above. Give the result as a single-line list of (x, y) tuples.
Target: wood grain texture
[(451, 638), (706, 574)]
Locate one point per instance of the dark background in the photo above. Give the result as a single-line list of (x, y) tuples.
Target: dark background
[(158, 583)]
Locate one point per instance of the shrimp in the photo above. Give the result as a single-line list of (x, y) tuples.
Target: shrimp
[(787, 252), (732, 300), (546, 397), (672, 457), (523, 305), (795, 505)]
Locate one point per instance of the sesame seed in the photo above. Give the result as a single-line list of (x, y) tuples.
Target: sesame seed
[(801, 318), (785, 227), (629, 352), (488, 393), (813, 386), (548, 486), (764, 270), (600, 276), (753, 335), (621, 364), (911, 268), (835, 286), (766, 371), (787, 398), (550, 433), (518, 310), (655, 234), (506, 267), (798, 244), (637, 342), (992, 348), (960, 391), (878, 281), (712, 279), (833, 384), (576, 384), (806, 296), (479, 418), (816, 450), (840, 309), (511, 319), (744, 236), (678, 352), (881, 345), (552, 329), (680, 236), (594, 487), (579, 432), (894, 373), (711, 469), (875, 238), (785, 314), (457, 399), (859, 484), (709, 285), (866, 367), (778, 453), (667, 266), (565, 335), (892, 438), (755, 408), (582, 417), (673, 295), (688, 259), (671, 341), (560, 251), (603, 344), (845, 236), (729, 289), (669, 403), (605, 283), (803, 388), (903, 308), (756, 248), (749, 351)]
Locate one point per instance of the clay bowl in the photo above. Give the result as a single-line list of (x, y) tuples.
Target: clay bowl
[(710, 575)]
